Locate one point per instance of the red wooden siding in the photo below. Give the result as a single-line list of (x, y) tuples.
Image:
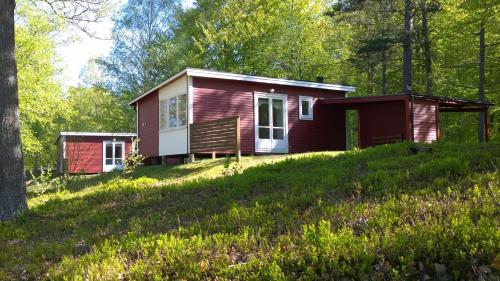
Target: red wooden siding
[(216, 98), (84, 153), (148, 125), (382, 119), (425, 121)]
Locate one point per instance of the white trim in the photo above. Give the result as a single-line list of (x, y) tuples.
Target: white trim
[(173, 129), (195, 72), (64, 147), (310, 100), (189, 110), (266, 80), (190, 99), (137, 119), (160, 85), (113, 147), (97, 134), (283, 97), (166, 99)]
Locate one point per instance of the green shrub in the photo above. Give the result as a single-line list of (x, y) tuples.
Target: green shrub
[(442, 168), (377, 214)]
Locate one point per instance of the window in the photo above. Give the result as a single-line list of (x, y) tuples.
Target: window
[(113, 155), (306, 108), (173, 112)]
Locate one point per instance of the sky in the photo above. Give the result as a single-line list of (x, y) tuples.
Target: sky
[(74, 56)]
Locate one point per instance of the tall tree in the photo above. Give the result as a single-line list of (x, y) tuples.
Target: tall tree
[(482, 117), (143, 53), (42, 106), (407, 46), (12, 182)]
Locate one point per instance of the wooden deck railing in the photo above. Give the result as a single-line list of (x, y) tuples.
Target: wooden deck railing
[(217, 136)]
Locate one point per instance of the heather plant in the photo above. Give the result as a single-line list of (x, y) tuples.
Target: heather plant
[(383, 213)]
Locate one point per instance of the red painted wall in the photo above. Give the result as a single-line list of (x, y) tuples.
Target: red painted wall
[(148, 125), (216, 98), (382, 119), (84, 153), (425, 121)]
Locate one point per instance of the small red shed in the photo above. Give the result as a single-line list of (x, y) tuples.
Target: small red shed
[(92, 152)]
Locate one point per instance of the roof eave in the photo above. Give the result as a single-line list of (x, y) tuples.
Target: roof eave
[(195, 72)]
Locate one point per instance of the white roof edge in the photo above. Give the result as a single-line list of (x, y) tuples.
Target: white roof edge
[(97, 134), (196, 72), (159, 85)]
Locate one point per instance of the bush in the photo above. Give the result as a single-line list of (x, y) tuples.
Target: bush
[(134, 159), (442, 167)]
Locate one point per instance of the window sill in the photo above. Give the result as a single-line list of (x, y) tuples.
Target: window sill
[(173, 129), (307, 118)]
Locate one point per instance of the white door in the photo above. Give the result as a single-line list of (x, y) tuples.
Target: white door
[(113, 155), (271, 122)]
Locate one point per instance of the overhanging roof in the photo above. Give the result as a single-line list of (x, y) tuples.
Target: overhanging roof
[(196, 72), (94, 134), (445, 103)]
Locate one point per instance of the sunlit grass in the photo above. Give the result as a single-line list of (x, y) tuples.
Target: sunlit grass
[(382, 213)]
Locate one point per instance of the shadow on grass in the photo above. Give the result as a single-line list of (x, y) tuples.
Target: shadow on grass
[(273, 198)]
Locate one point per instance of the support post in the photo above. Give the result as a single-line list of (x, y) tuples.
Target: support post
[(191, 158), (238, 139), (238, 155), (213, 155)]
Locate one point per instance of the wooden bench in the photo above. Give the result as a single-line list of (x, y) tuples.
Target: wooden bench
[(387, 139)]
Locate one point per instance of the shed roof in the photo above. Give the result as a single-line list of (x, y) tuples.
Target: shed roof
[(94, 134), (196, 72)]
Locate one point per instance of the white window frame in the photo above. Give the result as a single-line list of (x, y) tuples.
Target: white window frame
[(310, 100), (284, 142), (166, 107), (113, 143)]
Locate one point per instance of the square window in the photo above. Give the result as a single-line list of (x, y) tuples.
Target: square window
[(173, 112), (306, 108)]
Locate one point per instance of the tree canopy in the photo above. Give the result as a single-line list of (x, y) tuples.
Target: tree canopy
[(355, 42)]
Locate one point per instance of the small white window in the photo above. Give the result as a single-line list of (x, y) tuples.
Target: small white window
[(173, 112), (305, 108)]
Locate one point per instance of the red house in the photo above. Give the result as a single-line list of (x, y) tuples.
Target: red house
[(198, 111), (92, 153)]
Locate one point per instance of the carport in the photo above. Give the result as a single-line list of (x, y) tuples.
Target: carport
[(393, 118)]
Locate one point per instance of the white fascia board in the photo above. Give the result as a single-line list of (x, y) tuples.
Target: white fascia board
[(266, 80), (159, 86), (196, 72), (97, 134)]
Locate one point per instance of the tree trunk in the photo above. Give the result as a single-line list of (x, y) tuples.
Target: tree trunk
[(481, 117), (427, 50), (384, 72), (12, 182), (369, 78), (407, 46)]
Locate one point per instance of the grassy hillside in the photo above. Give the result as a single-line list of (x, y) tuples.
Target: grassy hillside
[(378, 214)]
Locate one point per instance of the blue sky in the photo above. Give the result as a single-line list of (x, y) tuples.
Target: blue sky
[(75, 55)]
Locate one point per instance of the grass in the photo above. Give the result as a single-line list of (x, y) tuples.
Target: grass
[(377, 214)]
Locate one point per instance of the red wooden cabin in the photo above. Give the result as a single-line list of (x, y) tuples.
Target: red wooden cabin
[(92, 153), (274, 116)]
